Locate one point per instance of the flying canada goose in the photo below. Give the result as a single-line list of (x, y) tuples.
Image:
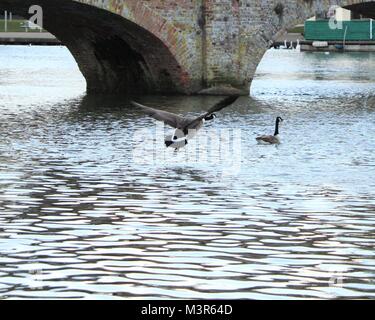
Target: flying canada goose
[(185, 127), (275, 139)]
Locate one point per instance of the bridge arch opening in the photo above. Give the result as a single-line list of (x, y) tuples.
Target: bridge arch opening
[(114, 54)]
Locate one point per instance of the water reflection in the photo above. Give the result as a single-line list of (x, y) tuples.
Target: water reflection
[(79, 218)]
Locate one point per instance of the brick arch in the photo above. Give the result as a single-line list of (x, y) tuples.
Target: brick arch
[(141, 14), (114, 53)]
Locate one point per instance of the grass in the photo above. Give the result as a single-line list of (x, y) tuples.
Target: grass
[(297, 29), (15, 26)]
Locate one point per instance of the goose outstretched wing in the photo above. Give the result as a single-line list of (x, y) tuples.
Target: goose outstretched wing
[(171, 119), (226, 102)]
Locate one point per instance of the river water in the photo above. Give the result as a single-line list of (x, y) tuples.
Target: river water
[(93, 206)]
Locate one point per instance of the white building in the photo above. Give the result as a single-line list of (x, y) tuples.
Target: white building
[(339, 13)]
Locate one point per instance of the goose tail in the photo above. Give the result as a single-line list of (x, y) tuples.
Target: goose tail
[(168, 143)]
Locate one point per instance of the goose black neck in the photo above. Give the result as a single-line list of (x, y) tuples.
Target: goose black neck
[(276, 128)]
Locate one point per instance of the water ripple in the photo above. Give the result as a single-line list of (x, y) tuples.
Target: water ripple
[(81, 219)]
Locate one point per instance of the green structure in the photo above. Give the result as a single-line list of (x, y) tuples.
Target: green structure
[(354, 30)]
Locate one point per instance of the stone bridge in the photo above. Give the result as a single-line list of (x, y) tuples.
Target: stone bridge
[(172, 46)]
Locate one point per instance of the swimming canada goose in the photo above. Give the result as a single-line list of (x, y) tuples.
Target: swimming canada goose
[(275, 139), (185, 127), (285, 46), (298, 46)]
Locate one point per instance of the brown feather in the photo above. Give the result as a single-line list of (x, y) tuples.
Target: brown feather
[(168, 118), (226, 102), (268, 139)]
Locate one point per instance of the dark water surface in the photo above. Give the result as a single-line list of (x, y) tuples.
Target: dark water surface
[(92, 207)]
